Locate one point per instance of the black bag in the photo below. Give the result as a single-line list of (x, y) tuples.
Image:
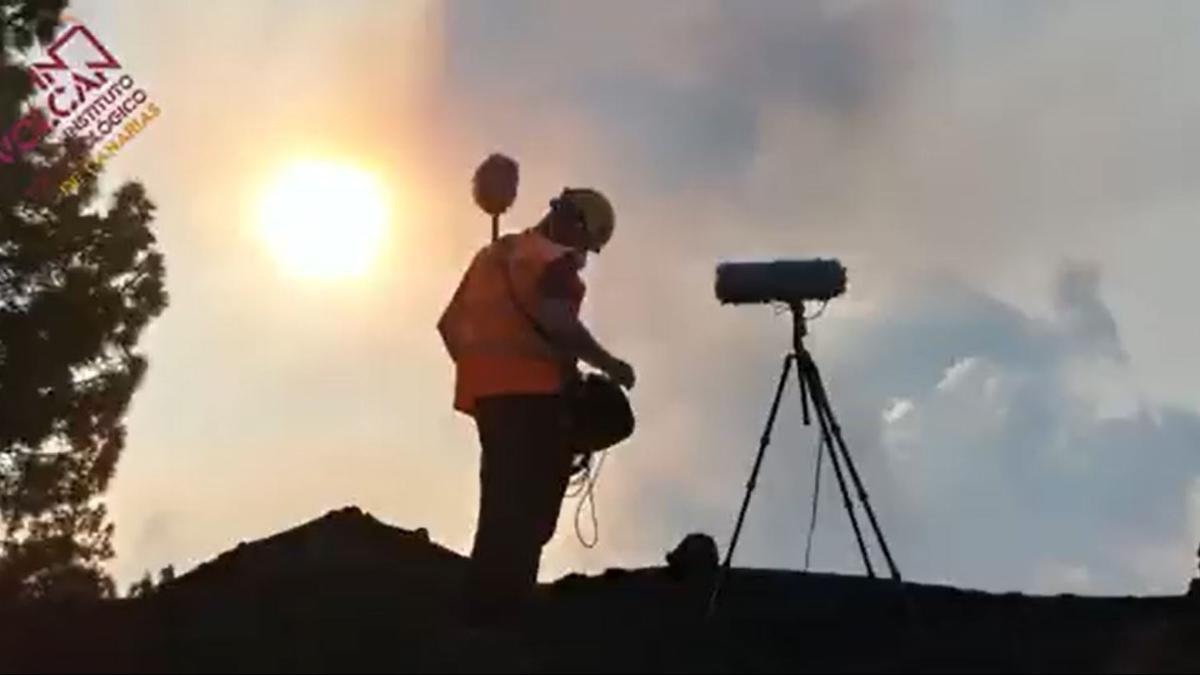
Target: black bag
[(600, 414)]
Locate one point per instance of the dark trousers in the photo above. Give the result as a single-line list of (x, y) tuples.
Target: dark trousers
[(523, 474)]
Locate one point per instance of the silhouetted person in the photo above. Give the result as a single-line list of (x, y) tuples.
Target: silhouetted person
[(514, 333), (1194, 585), (694, 558)]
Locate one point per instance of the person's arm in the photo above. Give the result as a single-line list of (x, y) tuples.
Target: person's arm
[(555, 314), (568, 333)]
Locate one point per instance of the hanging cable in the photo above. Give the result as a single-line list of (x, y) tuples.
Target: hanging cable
[(816, 494), (779, 307), (583, 485), (579, 478), (820, 311)]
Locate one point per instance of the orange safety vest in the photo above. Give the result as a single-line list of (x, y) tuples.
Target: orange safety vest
[(495, 345)]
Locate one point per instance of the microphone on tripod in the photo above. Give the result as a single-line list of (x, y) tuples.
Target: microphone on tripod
[(794, 282)]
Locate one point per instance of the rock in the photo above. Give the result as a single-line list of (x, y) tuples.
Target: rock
[(694, 558)]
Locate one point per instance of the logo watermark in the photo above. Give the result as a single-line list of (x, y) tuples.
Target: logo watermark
[(82, 94)]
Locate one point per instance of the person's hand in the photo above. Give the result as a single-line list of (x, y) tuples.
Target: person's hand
[(621, 373)]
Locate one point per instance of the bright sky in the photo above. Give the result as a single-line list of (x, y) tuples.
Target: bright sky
[(1012, 186)]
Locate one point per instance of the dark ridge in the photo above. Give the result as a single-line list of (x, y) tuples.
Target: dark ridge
[(346, 592), (345, 541)]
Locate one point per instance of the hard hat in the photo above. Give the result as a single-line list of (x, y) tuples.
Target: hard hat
[(594, 210)]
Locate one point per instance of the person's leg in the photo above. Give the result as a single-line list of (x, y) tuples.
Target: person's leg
[(523, 474), (552, 469), (492, 580)]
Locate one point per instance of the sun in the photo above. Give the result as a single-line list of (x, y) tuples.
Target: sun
[(324, 220)]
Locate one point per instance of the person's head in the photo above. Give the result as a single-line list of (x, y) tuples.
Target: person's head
[(581, 218)]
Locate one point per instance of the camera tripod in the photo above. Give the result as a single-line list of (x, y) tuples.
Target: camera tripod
[(812, 390)]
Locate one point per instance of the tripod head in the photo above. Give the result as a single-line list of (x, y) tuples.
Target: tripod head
[(799, 326)]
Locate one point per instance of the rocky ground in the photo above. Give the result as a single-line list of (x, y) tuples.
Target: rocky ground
[(346, 592)]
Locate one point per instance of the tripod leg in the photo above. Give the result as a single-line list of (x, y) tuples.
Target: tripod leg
[(825, 411), (804, 399), (806, 371), (763, 442)]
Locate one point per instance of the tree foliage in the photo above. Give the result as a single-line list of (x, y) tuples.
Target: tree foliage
[(80, 279)]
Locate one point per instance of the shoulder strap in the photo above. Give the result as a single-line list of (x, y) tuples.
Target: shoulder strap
[(505, 245)]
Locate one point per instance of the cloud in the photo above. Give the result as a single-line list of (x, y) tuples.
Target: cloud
[(1063, 577), (952, 154), (988, 466)]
